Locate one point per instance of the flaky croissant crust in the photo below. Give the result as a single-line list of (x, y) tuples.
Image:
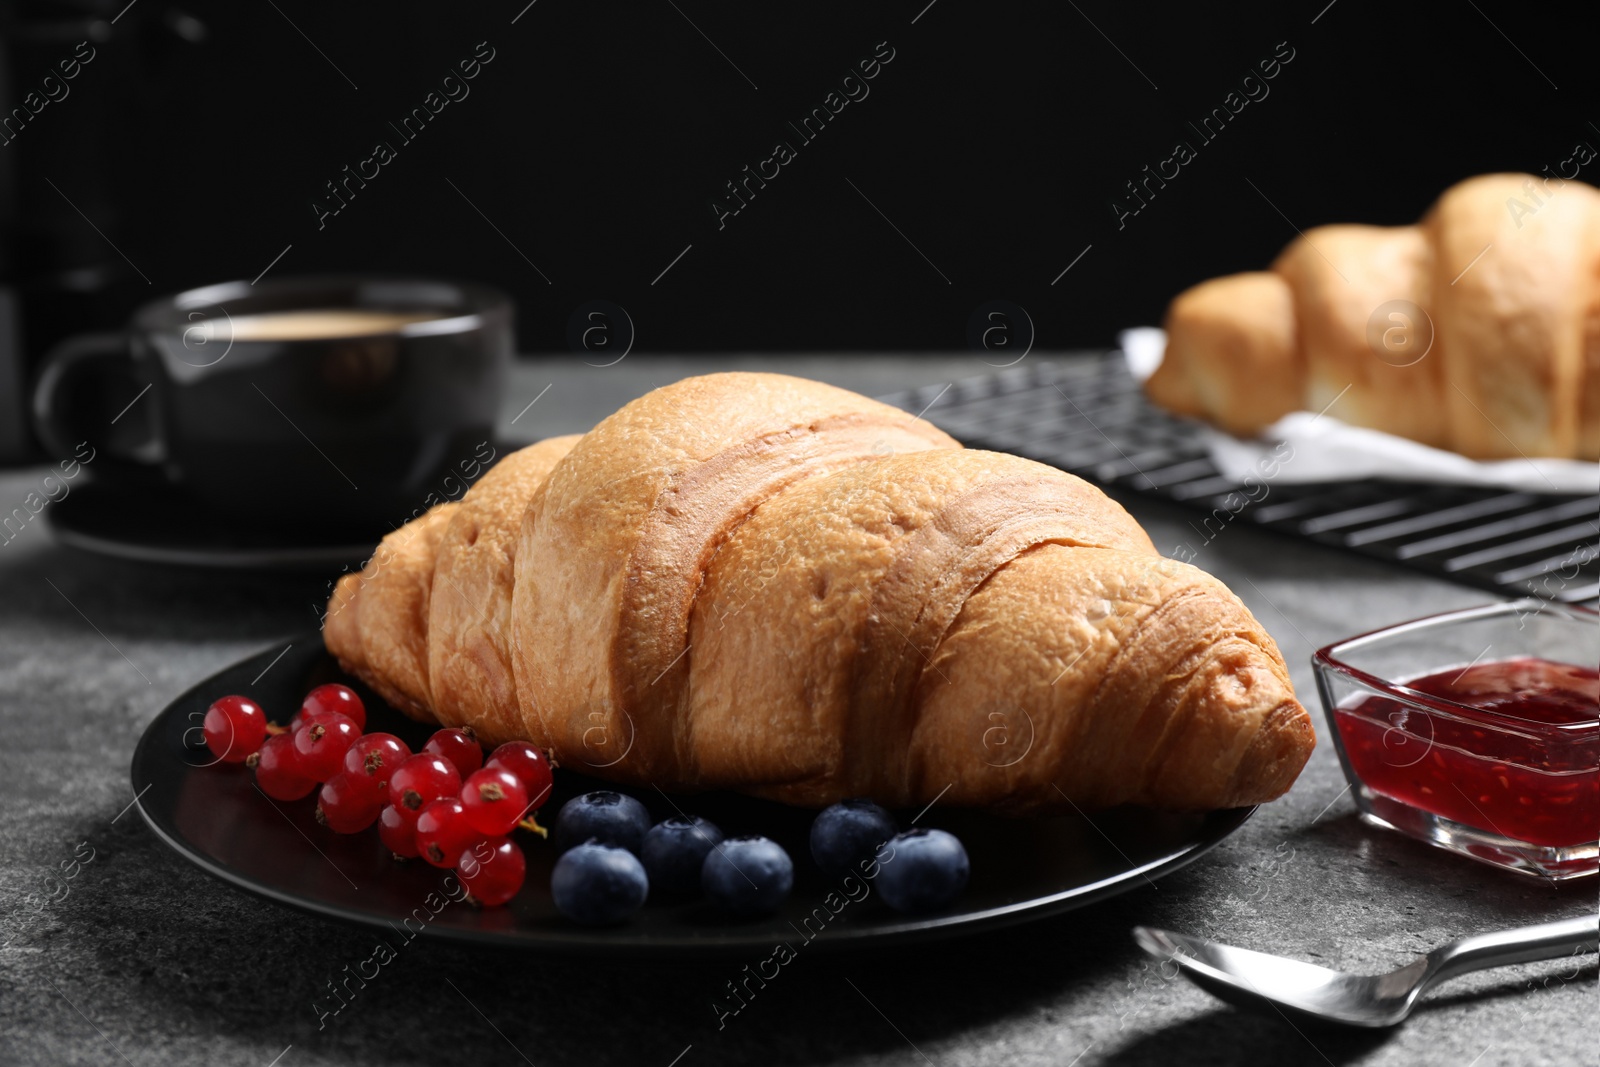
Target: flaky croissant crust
[(763, 584), (1475, 330)]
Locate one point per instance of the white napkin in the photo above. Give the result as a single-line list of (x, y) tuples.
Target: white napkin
[(1328, 450)]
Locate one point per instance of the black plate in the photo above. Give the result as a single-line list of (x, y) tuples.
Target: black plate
[(158, 524), (215, 817)]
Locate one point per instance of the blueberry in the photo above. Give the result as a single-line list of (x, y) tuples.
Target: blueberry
[(923, 870), (748, 875), (610, 818), (675, 850), (598, 885), (845, 835)]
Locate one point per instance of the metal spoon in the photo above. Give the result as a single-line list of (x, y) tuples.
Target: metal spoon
[(1249, 978)]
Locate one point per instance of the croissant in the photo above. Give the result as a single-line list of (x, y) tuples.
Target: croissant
[(763, 584), (1477, 330)]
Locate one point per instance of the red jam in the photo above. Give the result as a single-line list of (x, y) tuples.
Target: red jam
[(1516, 761)]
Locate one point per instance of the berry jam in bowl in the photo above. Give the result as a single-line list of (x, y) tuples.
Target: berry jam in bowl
[(1477, 731)]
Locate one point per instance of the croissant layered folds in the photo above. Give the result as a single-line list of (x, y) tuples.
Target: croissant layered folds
[(1477, 329), (758, 583)]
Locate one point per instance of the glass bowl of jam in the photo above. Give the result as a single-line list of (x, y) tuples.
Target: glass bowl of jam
[(1478, 731)]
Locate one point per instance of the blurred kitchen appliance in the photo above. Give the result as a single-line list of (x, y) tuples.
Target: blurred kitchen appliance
[(59, 272)]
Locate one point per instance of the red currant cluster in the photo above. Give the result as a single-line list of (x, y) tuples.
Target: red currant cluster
[(447, 803)]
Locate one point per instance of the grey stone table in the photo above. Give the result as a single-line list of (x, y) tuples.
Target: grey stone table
[(140, 959)]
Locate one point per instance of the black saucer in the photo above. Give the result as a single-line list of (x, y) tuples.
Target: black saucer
[(158, 524)]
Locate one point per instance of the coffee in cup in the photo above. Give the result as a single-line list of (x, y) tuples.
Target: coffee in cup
[(339, 401)]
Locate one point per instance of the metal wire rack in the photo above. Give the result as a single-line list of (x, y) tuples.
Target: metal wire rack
[(1088, 415)]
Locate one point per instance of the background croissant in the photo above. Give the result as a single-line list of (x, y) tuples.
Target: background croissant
[(765, 584), (1478, 329)]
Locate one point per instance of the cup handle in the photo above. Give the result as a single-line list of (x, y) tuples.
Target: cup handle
[(65, 364)]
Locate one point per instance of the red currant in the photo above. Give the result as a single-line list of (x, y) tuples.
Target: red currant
[(366, 787), (376, 756), (234, 728), (348, 803), (494, 801), (492, 870), (278, 771), (529, 764), (333, 697), (459, 747), (442, 833), (422, 778), (397, 829), (321, 742)]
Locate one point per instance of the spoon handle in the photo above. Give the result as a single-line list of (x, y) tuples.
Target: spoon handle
[(1523, 945)]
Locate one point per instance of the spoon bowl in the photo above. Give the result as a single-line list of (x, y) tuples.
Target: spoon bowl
[(1255, 979)]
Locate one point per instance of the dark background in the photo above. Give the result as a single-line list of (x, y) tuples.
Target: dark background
[(594, 141)]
